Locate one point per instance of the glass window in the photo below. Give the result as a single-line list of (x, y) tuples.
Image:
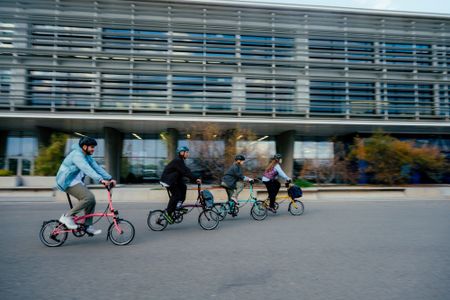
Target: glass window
[(143, 160), (61, 88), (327, 97), (5, 82), (63, 37)]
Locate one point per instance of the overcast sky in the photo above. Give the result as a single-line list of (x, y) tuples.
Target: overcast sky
[(433, 6)]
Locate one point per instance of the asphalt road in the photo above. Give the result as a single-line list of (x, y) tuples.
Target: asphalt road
[(336, 250)]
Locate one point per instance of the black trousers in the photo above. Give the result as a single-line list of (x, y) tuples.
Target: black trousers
[(273, 186), (178, 193)]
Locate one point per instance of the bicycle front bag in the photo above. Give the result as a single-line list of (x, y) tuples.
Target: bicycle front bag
[(295, 192), (208, 198)]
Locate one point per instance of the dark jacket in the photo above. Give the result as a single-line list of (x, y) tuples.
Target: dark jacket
[(232, 175), (175, 171)]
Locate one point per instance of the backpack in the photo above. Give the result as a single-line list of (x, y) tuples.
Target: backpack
[(208, 198), (295, 192)]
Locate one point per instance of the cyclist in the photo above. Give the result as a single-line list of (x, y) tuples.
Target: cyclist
[(70, 179), (273, 170), (172, 179), (233, 181)]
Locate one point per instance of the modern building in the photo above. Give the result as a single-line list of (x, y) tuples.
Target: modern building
[(136, 73)]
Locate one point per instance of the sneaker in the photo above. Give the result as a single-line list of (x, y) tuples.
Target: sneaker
[(271, 209), (168, 217), (183, 210), (91, 230), (68, 221)]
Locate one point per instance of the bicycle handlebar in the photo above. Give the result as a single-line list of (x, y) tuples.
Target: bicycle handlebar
[(110, 186)]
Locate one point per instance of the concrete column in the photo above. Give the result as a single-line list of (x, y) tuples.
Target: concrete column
[(44, 135), (3, 141), (230, 146), (113, 151), (285, 146), (172, 138)]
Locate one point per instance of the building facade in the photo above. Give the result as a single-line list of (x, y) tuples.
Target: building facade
[(136, 73)]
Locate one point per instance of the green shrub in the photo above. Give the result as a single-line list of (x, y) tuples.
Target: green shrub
[(303, 183), (49, 159), (4, 172)]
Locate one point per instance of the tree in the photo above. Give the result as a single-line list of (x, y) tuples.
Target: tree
[(49, 159), (213, 149), (391, 161)]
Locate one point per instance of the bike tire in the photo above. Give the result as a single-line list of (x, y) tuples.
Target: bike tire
[(156, 221), (258, 211), (125, 236), (208, 219), (221, 210), (296, 208), (48, 228)]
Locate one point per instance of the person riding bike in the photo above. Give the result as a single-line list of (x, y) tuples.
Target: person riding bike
[(273, 170), (70, 179), (172, 179), (233, 181)]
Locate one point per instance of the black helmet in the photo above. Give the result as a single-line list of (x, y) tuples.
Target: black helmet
[(88, 141), (277, 156), (239, 157)]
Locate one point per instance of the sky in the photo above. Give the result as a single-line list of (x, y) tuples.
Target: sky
[(426, 6)]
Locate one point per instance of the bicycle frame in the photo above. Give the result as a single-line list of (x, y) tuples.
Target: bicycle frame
[(198, 203), (251, 198), (241, 203), (113, 213), (281, 199)]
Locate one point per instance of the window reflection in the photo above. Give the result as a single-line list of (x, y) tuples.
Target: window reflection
[(142, 160)]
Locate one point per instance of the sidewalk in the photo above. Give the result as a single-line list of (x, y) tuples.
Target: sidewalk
[(156, 194)]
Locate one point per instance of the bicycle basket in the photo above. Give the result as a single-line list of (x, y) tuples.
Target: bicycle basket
[(295, 192), (208, 198)]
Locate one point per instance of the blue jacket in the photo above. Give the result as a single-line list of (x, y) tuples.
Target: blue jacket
[(75, 162)]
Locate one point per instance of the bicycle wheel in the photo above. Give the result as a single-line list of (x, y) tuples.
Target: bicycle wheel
[(156, 221), (53, 233), (123, 235), (208, 219), (296, 208), (221, 210), (258, 211)]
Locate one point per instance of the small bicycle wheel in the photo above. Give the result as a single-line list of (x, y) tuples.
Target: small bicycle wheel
[(156, 221), (221, 210), (258, 211), (121, 235), (296, 208), (53, 233), (208, 219)]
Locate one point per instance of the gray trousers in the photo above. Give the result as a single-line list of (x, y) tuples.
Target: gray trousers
[(233, 193), (86, 201)]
